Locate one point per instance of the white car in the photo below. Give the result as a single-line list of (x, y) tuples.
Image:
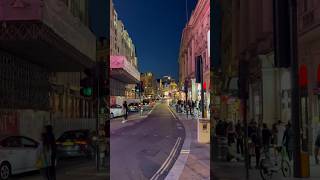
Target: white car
[(18, 154), (116, 111)]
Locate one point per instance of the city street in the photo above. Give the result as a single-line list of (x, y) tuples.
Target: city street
[(146, 149)]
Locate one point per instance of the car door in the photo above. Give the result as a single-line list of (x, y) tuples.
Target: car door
[(14, 153), (30, 148), (119, 110)]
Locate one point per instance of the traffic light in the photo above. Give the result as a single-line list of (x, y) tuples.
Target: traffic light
[(89, 83)]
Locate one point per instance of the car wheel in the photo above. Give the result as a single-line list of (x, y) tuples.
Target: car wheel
[(111, 115), (5, 171)]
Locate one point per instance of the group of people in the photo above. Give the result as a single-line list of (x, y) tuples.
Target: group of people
[(190, 107), (259, 138)]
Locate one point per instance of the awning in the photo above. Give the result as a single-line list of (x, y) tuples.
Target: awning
[(123, 70)]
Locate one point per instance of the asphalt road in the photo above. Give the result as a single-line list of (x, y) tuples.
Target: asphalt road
[(140, 151)]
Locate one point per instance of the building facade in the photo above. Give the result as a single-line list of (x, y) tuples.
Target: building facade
[(42, 94), (123, 62), (195, 43), (149, 84)]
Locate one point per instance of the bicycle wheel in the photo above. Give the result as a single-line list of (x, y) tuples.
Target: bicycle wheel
[(265, 173), (285, 168)]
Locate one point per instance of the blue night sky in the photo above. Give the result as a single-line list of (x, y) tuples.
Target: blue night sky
[(155, 27)]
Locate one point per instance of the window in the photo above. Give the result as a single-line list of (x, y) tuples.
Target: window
[(11, 142), (26, 142)]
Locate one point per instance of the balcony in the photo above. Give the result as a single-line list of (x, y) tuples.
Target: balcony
[(45, 32), (123, 70)]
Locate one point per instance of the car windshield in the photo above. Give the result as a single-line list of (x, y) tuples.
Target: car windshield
[(74, 135)]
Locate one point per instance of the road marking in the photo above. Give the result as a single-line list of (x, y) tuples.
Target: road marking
[(173, 114), (167, 161), (185, 151)]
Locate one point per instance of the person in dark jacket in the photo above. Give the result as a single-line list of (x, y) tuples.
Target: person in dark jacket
[(125, 108), (266, 137), (239, 135), (253, 134), (51, 142), (288, 140)]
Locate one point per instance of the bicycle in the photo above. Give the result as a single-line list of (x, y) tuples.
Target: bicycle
[(269, 166)]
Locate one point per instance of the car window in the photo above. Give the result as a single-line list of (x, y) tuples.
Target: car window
[(26, 142), (12, 141), (74, 135), (113, 106), (118, 106)]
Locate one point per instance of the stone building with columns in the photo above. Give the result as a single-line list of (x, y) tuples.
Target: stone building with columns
[(195, 42)]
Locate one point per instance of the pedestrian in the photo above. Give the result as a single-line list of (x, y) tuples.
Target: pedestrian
[(231, 133), (274, 132), (254, 136), (239, 136), (288, 140), (187, 109), (266, 137), (280, 132), (44, 157), (50, 142), (317, 148), (125, 110), (193, 107)]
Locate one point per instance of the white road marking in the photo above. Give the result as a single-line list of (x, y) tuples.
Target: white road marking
[(185, 151), (173, 114), (167, 161)]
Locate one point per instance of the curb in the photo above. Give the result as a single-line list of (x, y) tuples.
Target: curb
[(177, 169)]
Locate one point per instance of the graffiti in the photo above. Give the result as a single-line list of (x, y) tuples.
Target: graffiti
[(8, 122)]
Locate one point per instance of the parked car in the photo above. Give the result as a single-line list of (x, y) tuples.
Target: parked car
[(75, 143), (116, 111), (134, 107), (18, 154)]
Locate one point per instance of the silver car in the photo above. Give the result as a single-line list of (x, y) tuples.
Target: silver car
[(18, 154)]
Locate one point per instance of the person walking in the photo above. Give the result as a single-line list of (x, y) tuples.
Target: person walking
[(125, 109), (44, 157), (288, 140), (51, 141), (253, 134), (266, 137), (239, 135), (280, 132), (187, 107)]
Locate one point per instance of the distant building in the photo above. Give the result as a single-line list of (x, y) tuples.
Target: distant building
[(149, 84), (124, 72)]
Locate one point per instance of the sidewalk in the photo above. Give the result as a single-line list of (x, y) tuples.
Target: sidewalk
[(224, 170), (236, 171), (193, 162)]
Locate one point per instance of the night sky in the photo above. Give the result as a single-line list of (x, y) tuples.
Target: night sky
[(155, 27)]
